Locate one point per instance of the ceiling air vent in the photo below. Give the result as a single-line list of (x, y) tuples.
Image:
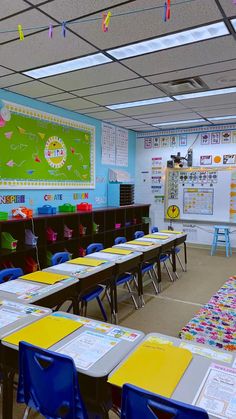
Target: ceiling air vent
[(194, 84)]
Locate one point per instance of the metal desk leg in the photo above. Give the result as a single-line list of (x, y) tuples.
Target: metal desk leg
[(140, 287), (7, 393), (159, 273), (114, 304), (185, 256), (173, 257)]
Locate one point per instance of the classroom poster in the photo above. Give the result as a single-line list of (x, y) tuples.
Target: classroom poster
[(41, 151), (108, 144)]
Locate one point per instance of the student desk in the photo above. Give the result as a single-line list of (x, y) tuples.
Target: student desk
[(15, 316), (87, 277), (93, 381), (191, 380), (123, 263), (42, 294)]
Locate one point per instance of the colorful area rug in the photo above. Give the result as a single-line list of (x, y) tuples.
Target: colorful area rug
[(215, 323)]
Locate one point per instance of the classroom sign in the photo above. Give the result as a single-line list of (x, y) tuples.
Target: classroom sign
[(42, 151)]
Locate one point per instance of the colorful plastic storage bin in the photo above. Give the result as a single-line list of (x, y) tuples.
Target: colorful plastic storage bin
[(67, 208), (8, 242), (3, 216), (47, 209), (84, 206)]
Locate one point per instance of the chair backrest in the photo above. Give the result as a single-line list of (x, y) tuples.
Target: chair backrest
[(138, 234), (119, 240), (60, 257), (10, 273), (94, 247), (139, 403), (155, 229), (48, 382)]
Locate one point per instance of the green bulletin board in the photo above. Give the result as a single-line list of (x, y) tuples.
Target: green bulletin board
[(39, 150)]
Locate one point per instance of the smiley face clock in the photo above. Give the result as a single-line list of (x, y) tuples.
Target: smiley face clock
[(173, 212)]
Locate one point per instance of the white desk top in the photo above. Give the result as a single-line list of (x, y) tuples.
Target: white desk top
[(79, 271)]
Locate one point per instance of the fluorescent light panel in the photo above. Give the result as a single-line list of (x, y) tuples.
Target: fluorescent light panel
[(206, 93), (66, 66), (190, 121), (219, 118), (140, 103), (233, 21), (170, 41)]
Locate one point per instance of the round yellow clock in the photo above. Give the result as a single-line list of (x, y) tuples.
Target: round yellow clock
[(173, 212)]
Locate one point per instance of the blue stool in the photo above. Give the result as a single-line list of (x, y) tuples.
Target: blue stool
[(221, 235)]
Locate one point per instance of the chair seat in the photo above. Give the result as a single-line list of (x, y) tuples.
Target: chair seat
[(123, 279), (164, 257), (147, 267), (93, 294)]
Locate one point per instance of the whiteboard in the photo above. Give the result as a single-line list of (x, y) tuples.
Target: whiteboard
[(202, 195)]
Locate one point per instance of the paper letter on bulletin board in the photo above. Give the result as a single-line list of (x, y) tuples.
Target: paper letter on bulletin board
[(41, 151)]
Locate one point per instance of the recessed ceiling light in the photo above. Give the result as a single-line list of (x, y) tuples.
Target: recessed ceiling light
[(66, 66), (219, 118), (233, 21), (140, 103), (170, 41), (206, 93), (190, 121)]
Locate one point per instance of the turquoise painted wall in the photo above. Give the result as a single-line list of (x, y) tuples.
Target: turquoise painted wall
[(97, 196)]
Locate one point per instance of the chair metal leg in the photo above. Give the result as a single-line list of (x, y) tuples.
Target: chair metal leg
[(131, 295), (157, 282), (101, 306), (153, 281), (168, 271), (180, 262), (26, 413)]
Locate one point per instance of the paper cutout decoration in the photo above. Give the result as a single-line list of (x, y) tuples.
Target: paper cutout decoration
[(5, 114), (21, 33), (21, 130), (8, 135), (41, 135), (10, 163), (2, 122)]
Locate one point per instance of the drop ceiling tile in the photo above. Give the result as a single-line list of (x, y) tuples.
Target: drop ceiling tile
[(37, 50), (13, 79), (89, 111), (103, 115), (219, 80), (205, 69), (180, 117), (4, 71), (219, 112), (161, 107), (38, 2), (127, 95), (102, 74), (229, 7), (135, 27), (70, 9), (211, 100), (130, 124), (55, 98), (205, 52), (145, 128), (10, 7), (111, 87), (75, 104), (223, 121), (33, 89), (30, 18)]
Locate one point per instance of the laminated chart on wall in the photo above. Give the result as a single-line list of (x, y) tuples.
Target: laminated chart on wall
[(199, 193), (40, 150)]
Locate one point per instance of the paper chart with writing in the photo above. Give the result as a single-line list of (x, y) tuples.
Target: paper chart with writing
[(198, 201), (217, 393), (87, 348), (108, 144), (207, 352), (121, 147)]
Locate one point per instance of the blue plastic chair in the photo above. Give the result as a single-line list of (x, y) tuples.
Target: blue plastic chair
[(60, 257), (94, 247), (120, 240), (155, 229), (148, 267), (9, 274), (138, 234), (139, 403), (48, 383), (177, 250)]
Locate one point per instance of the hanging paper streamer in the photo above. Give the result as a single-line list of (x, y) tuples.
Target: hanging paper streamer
[(50, 31), (63, 30), (21, 33), (106, 17), (167, 10)]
